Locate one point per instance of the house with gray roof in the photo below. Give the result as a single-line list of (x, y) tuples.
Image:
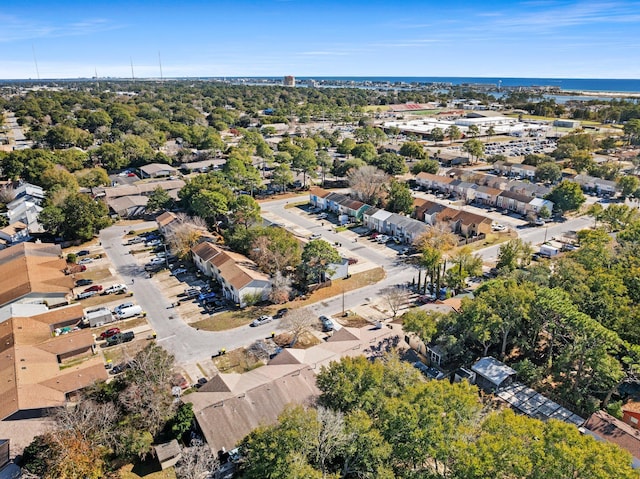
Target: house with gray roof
[(492, 374)]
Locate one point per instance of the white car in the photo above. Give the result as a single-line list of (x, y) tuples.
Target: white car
[(85, 261), (178, 271), (262, 320), (315, 236), (382, 238), (322, 216), (155, 261), (498, 227)]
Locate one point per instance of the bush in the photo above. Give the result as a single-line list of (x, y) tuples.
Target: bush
[(72, 258)]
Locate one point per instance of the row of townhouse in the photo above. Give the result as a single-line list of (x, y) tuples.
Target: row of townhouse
[(463, 223), (521, 198), (237, 274), (406, 228), (40, 370), (598, 185), (338, 203), (507, 168)]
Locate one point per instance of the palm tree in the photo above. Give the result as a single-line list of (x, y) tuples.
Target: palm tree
[(491, 131)]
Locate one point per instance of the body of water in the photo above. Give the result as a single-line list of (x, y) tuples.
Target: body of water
[(567, 84)]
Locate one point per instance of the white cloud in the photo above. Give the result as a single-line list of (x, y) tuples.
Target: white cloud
[(17, 29)]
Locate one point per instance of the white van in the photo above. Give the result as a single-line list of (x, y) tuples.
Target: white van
[(129, 312)]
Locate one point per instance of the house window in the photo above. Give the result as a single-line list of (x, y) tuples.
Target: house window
[(634, 420)]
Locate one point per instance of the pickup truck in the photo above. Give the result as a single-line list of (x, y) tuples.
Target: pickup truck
[(119, 338)]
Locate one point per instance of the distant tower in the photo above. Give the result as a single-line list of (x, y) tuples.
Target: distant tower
[(289, 80), (499, 85)]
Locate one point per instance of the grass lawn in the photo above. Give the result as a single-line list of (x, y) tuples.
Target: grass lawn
[(234, 319), (295, 205), (493, 239), (425, 112), (236, 361), (352, 320), (148, 470)]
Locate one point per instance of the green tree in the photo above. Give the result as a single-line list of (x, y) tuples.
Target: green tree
[(464, 265), (159, 199), (454, 133), (437, 135), (210, 205), (474, 147), (473, 131), (245, 211), (92, 178), (317, 257), (427, 165), (399, 199), (413, 150), (306, 163), (390, 163), (548, 172), (282, 176), (514, 254), (423, 323), (632, 130), (77, 217), (182, 421), (567, 196), (628, 185), (275, 249), (365, 151), (346, 146)]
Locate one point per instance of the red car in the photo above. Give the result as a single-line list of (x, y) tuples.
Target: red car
[(109, 332), (352, 260), (95, 287)]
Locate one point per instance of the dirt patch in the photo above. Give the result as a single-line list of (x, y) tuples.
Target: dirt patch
[(149, 469), (352, 320), (233, 319), (237, 361), (283, 196), (305, 340)]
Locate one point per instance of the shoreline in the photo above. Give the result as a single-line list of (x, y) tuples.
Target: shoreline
[(610, 94)]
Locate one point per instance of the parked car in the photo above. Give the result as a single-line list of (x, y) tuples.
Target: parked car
[(83, 252), (119, 338), (280, 313), (396, 240), (155, 261), (86, 294), (154, 242), (122, 306), (115, 289), (135, 240), (382, 238), (404, 250), (96, 288), (539, 222), (178, 271), (84, 282), (352, 260), (192, 292), (264, 319), (327, 324), (322, 216), (498, 227), (315, 236), (85, 261), (108, 333)]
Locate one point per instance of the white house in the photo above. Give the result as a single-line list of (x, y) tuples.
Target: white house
[(237, 274)]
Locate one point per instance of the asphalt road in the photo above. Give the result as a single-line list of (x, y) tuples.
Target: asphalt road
[(190, 345), (187, 344)]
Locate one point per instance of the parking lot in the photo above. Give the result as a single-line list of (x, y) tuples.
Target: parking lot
[(514, 148)]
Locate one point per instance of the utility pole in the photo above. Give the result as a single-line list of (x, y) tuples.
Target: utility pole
[(343, 313)]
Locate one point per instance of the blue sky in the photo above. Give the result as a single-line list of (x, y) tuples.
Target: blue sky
[(537, 38)]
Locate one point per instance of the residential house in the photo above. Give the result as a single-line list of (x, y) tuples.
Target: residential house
[(431, 181), (492, 374), (487, 195), (238, 275), (33, 273), (631, 414), (420, 205), (536, 204), (203, 166), (469, 224), (526, 172), (513, 202), (586, 182), (528, 189), (352, 208), (39, 370), (604, 427), (465, 191), (414, 230), (317, 197), (451, 158), (14, 233), (166, 221), (170, 186), (157, 170), (230, 406), (338, 270), (127, 207), (333, 200), (606, 187), (503, 167), (376, 219), (25, 210)]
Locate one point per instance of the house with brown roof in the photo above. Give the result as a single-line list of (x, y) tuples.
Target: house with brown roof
[(605, 427), (317, 197), (230, 406), (33, 273), (39, 370), (166, 221), (237, 274), (431, 181), (133, 206), (14, 233), (487, 195), (469, 224), (514, 202)]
